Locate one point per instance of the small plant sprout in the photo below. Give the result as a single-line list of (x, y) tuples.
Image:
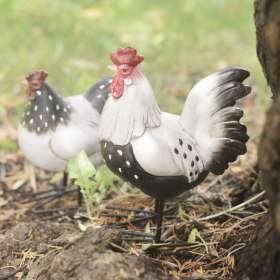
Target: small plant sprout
[(196, 238), (93, 184)]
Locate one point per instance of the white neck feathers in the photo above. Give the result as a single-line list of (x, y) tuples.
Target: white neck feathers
[(128, 117)]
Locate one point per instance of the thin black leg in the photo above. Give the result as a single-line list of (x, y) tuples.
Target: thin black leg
[(45, 198), (158, 214), (65, 180), (57, 190), (159, 206), (80, 197)]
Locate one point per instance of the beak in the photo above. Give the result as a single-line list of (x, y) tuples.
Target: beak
[(112, 68), (31, 96)]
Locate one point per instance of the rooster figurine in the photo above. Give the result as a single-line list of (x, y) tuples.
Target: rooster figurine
[(165, 154), (55, 129)]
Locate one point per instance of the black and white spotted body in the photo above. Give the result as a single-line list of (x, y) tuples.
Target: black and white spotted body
[(188, 159), (179, 168), (121, 160), (55, 129), (98, 93), (46, 111)]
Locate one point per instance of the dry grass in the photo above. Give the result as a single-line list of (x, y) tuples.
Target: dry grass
[(218, 238)]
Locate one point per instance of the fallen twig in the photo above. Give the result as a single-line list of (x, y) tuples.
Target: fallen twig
[(241, 205)]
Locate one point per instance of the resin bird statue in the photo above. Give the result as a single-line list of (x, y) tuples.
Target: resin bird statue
[(165, 154), (55, 129)]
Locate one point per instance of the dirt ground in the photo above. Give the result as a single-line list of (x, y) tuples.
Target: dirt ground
[(201, 239), (61, 251)]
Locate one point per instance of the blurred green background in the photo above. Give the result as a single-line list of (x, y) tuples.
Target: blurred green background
[(182, 41)]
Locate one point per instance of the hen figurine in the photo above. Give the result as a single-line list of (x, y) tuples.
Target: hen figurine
[(165, 154), (55, 129)]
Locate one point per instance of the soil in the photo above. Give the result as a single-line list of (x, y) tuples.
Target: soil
[(63, 252)]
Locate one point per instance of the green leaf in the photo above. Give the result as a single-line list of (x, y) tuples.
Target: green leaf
[(80, 167), (104, 178), (192, 236), (196, 238), (203, 242), (93, 185)]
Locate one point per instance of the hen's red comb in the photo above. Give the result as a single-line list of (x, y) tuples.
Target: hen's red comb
[(37, 74), (127, 56)]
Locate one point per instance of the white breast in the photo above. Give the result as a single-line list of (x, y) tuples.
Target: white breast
[(80, 133), (36, 149)]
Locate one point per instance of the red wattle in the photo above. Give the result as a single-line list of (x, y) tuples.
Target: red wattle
[(117, 86)]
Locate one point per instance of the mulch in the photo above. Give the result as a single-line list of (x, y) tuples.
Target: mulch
[(204, 230)]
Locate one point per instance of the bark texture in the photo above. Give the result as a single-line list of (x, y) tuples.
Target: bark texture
[(261, 260), (267, 22)]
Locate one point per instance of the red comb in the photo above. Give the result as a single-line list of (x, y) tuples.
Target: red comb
[(39, 74), (127, 56)]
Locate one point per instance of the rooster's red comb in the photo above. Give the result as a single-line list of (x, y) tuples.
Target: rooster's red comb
[(127, 56)]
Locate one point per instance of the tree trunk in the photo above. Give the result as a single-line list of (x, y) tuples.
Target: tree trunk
[(261, 260), (267, 20)]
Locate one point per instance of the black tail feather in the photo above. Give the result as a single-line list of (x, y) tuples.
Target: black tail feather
[(98, 93)]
